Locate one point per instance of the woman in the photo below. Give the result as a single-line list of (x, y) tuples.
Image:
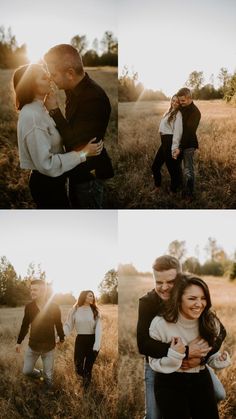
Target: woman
[(40, 144), (85, 317), (185, 393), (171, 130)]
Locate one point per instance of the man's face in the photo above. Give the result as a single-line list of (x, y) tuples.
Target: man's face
[(164, 282), (37, 291), (58, 77), (185, 100)]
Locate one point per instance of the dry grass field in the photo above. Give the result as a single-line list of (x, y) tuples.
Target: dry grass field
[(215, 160), (131, 381), (14, 190), (21, 397)]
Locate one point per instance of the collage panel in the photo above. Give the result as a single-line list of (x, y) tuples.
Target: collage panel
[(58, 116), (58, 314), (177, 295), (177, 101)]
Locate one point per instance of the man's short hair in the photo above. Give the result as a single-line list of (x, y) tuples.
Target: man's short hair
[(64, 56), (185, 91), (166, 262), (38, 282)]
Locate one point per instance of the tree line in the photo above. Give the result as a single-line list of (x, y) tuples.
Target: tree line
[(12, 55), (15, 290), (130, 90), (218, 263)]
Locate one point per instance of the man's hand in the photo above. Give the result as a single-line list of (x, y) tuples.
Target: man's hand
[(190, 363), (177, 345), (18, 346), (51, 101), (198, 348)]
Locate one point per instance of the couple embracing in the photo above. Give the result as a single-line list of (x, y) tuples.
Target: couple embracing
[(178, 143), (43, 317), (180, 337), (56, 147)]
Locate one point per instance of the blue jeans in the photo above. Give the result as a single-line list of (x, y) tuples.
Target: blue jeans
[(151, 408), (189, 177), (86, 195), (30, 360)]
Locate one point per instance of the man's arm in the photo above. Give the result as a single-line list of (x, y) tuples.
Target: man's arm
[(192, 123), (24, 326), (146, 345), (217, 344), (58, 323)]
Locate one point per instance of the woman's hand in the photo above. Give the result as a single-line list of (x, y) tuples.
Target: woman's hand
[(223, 356), (92, 149), (177, 345), (175, 153)]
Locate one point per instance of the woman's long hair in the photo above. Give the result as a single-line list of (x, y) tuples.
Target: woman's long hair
[(172, 112), (24, 84), (209, 324), (81, 300)]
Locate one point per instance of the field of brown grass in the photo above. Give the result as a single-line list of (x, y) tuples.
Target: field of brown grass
[(14, 189), (21, 397), (131, 380), (215, 160)]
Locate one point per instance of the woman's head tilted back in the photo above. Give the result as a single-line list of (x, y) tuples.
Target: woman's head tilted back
[(87, 297), (30, 81), (190, 296)]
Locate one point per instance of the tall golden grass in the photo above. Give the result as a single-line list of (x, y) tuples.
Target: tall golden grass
[(14, 189), (215, 160), (131, 377), (21, 397)]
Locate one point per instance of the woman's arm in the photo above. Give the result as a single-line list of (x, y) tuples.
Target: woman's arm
[(177, 132), (219, 360), (69, 323), (38, 145), (98, 334)]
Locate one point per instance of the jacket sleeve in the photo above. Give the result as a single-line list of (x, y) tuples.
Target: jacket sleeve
[(91, 123), (58, 323), (191, 125), (38, 145), (146, 345), (24, 326)]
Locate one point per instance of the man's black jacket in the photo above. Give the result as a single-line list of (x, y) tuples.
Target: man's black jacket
[(87, 115), (151, 305), (191, 118)]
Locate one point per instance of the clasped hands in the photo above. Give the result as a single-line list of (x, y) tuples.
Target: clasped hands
[(198, 348)]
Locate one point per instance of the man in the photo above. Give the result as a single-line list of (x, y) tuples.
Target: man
[(165, 271), (87, 115), (189, 143), (43, 317)]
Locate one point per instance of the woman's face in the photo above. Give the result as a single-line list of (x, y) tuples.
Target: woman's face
[(89, 298), (175, 102), (193, 302), (42, 82)]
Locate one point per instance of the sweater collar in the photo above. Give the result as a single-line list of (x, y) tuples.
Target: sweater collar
[(187, 323)]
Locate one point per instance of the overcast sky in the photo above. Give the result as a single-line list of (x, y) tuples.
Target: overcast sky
[(42, 24), (75, 248), (165, 40), (146, 234)]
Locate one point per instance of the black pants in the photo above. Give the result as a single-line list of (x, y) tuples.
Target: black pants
[(86, 195), (48, 192), (174, 166), (186, 395), (84, 356)]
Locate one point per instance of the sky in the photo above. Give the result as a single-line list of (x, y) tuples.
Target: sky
[(42, 24), (146, 234), (165, 40), (75, 248)]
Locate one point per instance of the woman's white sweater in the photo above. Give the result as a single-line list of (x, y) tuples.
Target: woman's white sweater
[(174, 127), (83, 320), (40, 144), (187, 330)]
